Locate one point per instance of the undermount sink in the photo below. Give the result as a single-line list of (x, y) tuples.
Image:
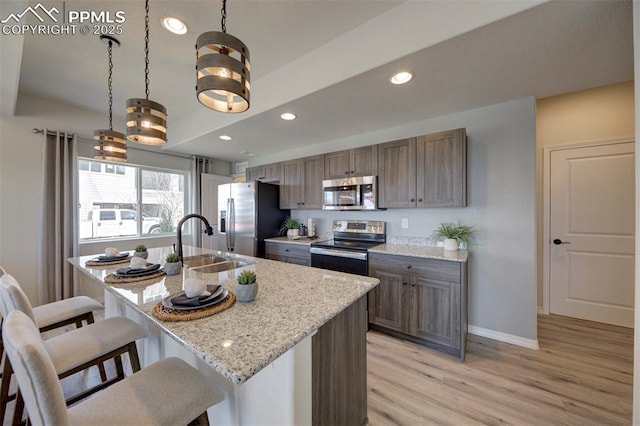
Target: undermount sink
[(204, 260), (219, 267), (212, 263)]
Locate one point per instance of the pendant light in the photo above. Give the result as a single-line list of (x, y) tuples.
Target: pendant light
[(222, 70), (109, 144), (146, 120)]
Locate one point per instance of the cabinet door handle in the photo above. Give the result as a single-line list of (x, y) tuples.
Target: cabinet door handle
[(404, 283), (408, 266), (346, 172), (419, 200), (351, 172), (412, 200), (287, 250), (413, 285)]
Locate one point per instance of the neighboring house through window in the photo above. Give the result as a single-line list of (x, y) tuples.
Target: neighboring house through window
[(120, 201)]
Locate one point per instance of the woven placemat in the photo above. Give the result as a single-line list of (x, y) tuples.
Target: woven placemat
[(114, 279), (172, 315), (113, 262)]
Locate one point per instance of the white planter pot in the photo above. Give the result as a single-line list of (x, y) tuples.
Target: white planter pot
[(172, 268), (451, 244), (293, 233), (246, 292), (142, 254)]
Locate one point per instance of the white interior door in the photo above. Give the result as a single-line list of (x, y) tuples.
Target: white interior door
[(209, 185), (592, 220)]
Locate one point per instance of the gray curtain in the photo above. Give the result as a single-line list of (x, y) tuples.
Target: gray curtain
[(199, 165), (59, 230)]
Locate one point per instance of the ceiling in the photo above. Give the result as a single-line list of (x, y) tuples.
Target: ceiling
[(330, 61)]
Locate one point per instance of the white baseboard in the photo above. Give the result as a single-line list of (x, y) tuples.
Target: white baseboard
[(504, 337), (540, 310)]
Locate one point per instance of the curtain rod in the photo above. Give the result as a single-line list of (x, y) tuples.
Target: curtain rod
[(173, 154)]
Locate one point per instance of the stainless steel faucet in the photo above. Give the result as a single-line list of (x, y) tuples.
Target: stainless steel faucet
[(208, 229)]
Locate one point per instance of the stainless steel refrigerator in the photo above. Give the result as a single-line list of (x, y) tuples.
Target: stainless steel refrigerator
[(248, 212)]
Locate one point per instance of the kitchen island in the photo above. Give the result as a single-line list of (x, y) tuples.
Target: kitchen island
[(295, 355)]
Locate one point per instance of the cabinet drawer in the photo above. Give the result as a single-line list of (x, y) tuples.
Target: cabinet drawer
[(443, 270), (284, 249)]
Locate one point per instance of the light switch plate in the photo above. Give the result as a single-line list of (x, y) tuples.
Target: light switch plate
[(405, 223)]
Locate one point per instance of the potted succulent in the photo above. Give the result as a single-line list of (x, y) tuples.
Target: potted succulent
[(247, 287), (173, 264), (454, 234), (291, 227), (141, 251)]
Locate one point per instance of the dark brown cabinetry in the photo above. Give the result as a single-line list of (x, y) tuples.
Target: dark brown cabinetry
[(361, 161), (426, 171), (265, 173), (301, 184), (423, 300), (288, 252)]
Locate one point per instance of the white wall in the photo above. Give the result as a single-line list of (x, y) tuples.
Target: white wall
[(501, 205), (21, 181)]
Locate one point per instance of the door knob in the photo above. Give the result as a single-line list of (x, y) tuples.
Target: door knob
[(558, 241)]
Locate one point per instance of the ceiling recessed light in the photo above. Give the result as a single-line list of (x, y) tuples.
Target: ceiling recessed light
[(401, 77), (174, 25), (225, 137), (288, 116)]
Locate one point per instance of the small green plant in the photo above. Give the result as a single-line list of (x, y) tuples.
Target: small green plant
[(247, 277), (172, 258), (289, 223), (140, 248), (456, 231)]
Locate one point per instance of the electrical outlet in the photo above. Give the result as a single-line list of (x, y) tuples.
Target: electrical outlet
[(405, 223)]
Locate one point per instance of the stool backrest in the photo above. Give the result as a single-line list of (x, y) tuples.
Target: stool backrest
[(13, 298), (34, 370)]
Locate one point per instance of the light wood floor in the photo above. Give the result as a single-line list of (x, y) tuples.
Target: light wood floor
[(582, 375)]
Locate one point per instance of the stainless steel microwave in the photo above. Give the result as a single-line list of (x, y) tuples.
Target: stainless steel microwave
[(354, 193)]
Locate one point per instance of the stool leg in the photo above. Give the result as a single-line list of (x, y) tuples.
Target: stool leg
[(18, 410), (201, 420), (103, 372), (7, 371), (133, 356), (119, 369)]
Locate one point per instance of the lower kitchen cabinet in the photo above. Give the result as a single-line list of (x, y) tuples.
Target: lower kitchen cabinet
[(288, 252), (422, 300)]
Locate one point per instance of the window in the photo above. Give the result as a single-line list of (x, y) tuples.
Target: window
[(121, 201)]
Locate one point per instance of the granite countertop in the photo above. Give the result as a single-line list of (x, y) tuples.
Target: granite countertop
[(421, 251), (293, 301), (305, 241)]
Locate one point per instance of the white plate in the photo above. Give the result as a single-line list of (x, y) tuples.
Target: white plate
[(211, 300)]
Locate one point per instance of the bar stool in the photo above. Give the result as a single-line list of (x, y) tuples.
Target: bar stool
[(75, 350), (169, 392)]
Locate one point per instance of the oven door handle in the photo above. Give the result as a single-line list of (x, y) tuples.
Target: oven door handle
[(339, 253)]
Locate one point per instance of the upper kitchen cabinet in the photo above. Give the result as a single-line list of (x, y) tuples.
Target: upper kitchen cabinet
[(427, 171), (265, 173), (361, 161), (397, 173), (301, 184), (442, 169)]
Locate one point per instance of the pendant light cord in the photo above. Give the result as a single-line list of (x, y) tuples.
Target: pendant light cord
[(146, 49), (109, 84), (223, 12)]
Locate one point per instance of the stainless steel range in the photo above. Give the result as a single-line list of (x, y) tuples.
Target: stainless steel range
[(347, 252)]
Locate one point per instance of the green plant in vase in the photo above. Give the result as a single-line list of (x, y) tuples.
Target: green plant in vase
[(247, 287), (173, 264), (454, 234), (141, 251), (291, 227)]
